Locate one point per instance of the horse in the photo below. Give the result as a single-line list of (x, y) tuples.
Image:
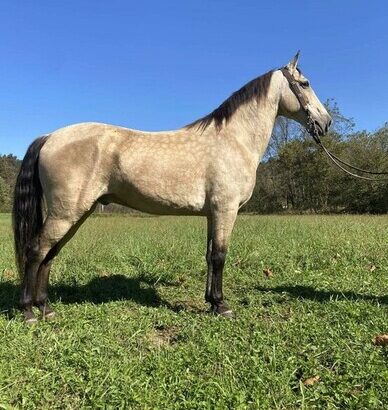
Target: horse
[(206, 168)]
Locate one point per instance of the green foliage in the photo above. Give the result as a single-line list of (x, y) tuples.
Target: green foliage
[(9, 167), (133, 331), (5, 195)]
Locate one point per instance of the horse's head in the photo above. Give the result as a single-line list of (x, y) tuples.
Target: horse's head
[(299, 102)]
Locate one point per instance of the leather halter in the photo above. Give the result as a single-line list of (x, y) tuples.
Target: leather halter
[(295, 88), (313, 131), (311, 125)]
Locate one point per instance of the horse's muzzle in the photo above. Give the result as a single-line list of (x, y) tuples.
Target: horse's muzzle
[(322, 129)]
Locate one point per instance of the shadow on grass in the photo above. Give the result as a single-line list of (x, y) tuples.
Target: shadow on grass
[(99, 290), (308, 292)]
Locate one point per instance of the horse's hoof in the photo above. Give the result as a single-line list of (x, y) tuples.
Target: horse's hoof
[(46, 311), (48, 316), (31, 321), (29, 318), (229, 314), (223, 310)]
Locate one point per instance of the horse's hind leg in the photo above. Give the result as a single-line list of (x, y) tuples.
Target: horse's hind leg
[(41, 294), (36, 254), (34, 258)]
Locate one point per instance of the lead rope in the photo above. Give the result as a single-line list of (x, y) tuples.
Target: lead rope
[(312, 128)]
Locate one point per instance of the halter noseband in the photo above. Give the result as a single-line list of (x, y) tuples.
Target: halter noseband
[(313, 131)]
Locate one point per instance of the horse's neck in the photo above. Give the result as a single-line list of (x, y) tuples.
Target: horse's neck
[(252, 124)]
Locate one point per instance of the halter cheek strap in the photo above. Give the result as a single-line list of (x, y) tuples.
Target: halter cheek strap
[(295, 88)]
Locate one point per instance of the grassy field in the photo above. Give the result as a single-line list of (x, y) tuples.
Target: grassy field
[(132, 329)]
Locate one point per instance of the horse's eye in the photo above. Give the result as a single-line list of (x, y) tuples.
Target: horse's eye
[(305, 84)]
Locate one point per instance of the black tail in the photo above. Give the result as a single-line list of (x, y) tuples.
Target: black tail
[(27, 202)]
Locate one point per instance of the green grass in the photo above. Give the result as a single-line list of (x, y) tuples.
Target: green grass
[(132, 329)]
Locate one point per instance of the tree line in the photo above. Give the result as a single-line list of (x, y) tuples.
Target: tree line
[(295, 175)]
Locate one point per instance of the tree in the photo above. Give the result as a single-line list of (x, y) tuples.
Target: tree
[(9, 167), (4, 196)]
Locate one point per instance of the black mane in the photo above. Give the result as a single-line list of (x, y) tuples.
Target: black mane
[(257, 88)]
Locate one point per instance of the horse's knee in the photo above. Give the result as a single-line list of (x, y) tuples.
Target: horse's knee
[(218, 257)]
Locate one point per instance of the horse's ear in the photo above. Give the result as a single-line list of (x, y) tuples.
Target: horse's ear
[(293, 63)]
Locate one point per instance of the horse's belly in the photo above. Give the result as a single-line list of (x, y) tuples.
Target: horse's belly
[(161, 197), (162, 179)]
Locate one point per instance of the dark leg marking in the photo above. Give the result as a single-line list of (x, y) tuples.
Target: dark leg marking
[(29, 283), (209, 261), (41, 290), (41, 294), (219, 306)]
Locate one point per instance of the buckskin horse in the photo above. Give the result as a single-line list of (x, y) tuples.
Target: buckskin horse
[(205, 168)]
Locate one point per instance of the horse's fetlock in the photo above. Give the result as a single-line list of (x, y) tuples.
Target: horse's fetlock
[(32, 250)]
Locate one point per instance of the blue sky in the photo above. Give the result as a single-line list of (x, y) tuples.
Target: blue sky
[(157, 65)]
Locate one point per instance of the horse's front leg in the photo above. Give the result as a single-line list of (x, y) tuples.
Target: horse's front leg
[(221, 230), (209, 259)]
